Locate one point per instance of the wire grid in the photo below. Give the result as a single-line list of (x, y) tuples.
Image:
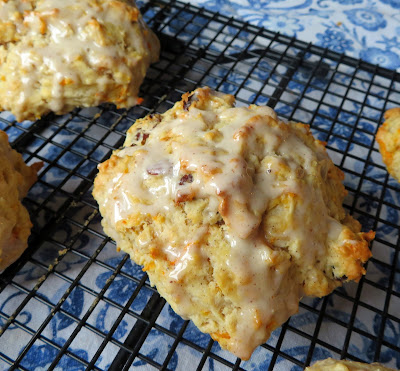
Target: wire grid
[(72, 300)]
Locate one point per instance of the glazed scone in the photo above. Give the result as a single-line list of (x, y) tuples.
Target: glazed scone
[(56, 55), (330, 364), (15, 180), (388, 138), (234, 214)]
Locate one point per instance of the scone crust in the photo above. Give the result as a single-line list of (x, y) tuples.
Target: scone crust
[(57, 55), (388, 138), (15, 180), (237, 289), (331, 364)]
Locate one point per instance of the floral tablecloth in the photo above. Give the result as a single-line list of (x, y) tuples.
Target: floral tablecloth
[(366, 29)]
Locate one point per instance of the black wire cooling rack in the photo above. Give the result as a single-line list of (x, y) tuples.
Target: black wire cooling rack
[(72, 302)]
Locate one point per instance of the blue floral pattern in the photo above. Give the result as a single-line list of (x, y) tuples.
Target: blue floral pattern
[(366, 18), (393, 3), (365, 29), (335, 40), (384, 58)]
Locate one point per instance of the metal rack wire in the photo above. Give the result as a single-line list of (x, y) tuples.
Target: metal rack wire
[(71, 287)]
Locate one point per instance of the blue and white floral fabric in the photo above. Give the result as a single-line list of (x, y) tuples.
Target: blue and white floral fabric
[(366, 29)]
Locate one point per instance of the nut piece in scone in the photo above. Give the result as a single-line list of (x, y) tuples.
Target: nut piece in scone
[(15, 180), (234, 214), (330, 364), (58, 55), (388, 138)]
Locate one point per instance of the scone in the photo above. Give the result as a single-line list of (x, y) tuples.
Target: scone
[(57, 55), (330, 364), (388, 138), (15, 180), (234, 214)]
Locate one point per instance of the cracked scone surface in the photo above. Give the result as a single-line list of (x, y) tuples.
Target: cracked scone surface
[(234, 214), (15, 180), (330, 364), (388, 138), (56, 55)]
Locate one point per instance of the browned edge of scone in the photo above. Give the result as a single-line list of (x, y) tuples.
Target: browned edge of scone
[(16, 178), (388, 138)]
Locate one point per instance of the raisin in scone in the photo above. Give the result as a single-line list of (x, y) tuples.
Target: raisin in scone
[(330, 364), (56, 55), (388, 138), (15, 180), (234, 214)]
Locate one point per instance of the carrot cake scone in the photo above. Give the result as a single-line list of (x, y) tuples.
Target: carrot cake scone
[(388, 138), (330, 364), (59, 54), (15, 180), (234, 214)]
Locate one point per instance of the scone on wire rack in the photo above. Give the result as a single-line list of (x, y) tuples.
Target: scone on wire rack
[(58, 55), (331, 364), (388, 138), (234, 214), (15, 180)]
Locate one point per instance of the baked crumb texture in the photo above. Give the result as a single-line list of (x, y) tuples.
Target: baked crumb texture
[(56, 55), (15, 180), (330, 364), (234, 214), (388, 138)]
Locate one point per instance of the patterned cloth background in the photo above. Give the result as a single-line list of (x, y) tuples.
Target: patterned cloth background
[(366, 29)]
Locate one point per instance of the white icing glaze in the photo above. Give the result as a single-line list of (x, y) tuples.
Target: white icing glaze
[(73, 30), (222, 174)]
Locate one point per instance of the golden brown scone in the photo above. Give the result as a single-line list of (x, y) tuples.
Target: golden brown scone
[(15, 180), (330, 364), (234, 214), (56, 55), (388, 138)]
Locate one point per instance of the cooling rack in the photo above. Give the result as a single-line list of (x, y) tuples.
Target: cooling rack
[(72, 302)]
